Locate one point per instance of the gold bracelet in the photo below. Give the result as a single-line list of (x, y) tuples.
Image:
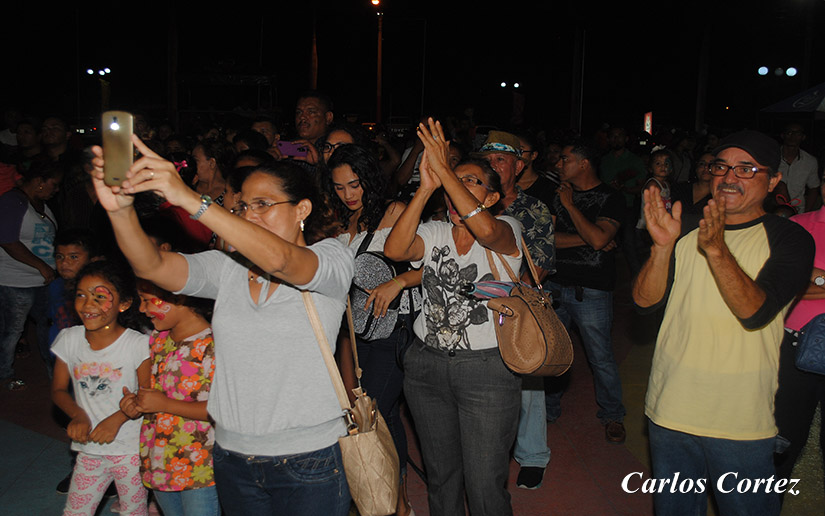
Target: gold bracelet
[(473, 213), (399, 283)]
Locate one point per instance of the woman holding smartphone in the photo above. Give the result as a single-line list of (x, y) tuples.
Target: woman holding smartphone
[(277, 418)]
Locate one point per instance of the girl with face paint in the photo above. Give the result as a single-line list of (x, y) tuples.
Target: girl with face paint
[(102, 358), (175, 427)]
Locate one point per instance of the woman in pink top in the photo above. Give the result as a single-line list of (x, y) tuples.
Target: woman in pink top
[(799, 392)]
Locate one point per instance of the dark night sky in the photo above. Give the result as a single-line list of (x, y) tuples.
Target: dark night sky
[(637, 58)]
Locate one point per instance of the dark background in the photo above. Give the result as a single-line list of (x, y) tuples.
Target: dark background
[(638, 57)]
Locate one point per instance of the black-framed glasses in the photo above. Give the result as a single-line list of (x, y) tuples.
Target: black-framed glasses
[(740, 171), (473, 180), (330, 147), (258, 207)]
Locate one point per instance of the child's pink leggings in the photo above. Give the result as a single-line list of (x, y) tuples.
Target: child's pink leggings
[(92, 475)]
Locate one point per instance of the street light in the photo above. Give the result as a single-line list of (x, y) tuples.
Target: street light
[(105, 85), (380, 13)]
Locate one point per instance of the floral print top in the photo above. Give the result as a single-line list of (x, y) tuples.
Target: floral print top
[(176, 452)]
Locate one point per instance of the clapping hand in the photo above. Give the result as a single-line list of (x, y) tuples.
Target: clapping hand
[(664, 227)]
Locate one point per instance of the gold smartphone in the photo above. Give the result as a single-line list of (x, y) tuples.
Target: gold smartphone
[(118, 149)]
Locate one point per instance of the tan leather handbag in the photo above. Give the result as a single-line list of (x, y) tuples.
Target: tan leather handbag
[(531, 338), (370, 459)]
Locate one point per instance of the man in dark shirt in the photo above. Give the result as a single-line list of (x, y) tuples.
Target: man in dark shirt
[(586, 218), (502, 151)]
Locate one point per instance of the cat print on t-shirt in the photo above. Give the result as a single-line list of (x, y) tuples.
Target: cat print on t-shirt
[(96, 379), (449, 312)]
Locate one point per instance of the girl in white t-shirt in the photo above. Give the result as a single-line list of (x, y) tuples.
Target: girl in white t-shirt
[(102, 359)]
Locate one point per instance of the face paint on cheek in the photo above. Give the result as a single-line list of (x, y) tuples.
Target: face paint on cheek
[(163, 308), (105, 304)]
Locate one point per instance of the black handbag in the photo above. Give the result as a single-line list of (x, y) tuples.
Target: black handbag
[(372, 269), (810, 348)]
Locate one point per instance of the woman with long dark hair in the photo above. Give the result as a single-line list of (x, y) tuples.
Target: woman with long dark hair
[(356, 187)]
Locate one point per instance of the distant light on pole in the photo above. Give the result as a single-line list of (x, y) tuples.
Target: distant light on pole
[(376, 2), (107, 70), (778, 72), (90, 71), (515, 85), (503, 84), (763, 70), (791, 71)]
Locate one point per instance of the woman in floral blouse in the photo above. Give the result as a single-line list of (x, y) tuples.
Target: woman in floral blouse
[(176, 439)]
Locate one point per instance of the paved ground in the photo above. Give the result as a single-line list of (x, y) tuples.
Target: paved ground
[(583, 478)]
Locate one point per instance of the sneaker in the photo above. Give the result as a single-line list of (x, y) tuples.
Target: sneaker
[(614, 432), (530, 477), (16, 384), (63, 486)]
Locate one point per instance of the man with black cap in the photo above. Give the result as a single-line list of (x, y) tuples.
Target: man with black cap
[(727, 285)]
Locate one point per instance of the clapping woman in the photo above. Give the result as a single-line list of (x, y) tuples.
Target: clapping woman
[(276, 414), (464, 400)]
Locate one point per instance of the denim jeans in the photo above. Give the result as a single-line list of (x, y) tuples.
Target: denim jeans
[(304, 484), (15, 304), (190, 502), (531, 448), (695, 457), (465, 405), (384, 380), (593, 315)]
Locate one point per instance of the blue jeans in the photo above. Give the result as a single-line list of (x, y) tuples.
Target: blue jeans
[(15, 304), (531, 448), (304, 484), (465, 405), (694, 457), (190, 502), (593, 316), (384, 380)]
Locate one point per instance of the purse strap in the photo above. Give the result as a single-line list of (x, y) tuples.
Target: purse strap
[(509, 270), (353, 344), (326, 352)]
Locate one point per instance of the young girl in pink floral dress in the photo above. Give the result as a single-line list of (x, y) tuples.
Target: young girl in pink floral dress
[(176, 440)]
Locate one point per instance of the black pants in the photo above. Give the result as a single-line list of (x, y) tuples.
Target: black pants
[(796, 400)]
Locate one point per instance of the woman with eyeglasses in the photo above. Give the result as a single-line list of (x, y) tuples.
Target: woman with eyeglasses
[(464, 400), (277, 417), (357, 187)]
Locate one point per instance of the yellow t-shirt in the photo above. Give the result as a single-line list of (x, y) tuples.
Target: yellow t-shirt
[(710, 375)]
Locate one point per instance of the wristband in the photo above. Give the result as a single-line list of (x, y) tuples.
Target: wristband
[(473, 213), (399, 283), (206, 201)]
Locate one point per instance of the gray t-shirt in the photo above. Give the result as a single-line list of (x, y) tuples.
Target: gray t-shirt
[(272, 394)]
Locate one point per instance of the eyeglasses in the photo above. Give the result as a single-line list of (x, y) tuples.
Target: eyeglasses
[(330, 147), (472, 180), (258, 207), (740, 171)]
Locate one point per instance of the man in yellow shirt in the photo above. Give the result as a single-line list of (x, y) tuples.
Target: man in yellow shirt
[(727, 286)]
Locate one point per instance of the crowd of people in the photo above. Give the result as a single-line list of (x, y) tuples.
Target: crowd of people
[(171, 310)]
